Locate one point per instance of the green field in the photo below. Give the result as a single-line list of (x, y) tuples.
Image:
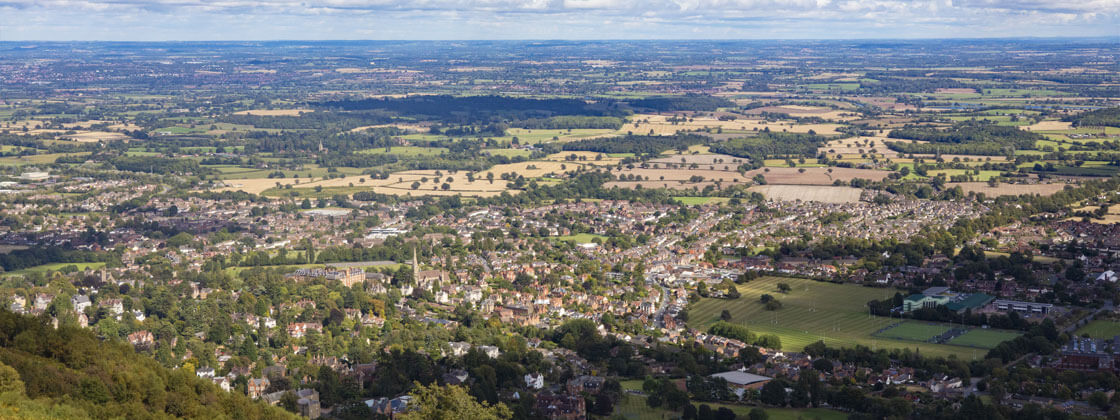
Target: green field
[(634, 407), (235, 270), (177, 130), (510, 153), (691, 201), (525, 136), (983, 176), (1100, 329), (313, 171), (998, 119), (326, 192), (42, 159), (580, 238), (914, 331), (54, 267), (406, 151), (983, 338), (781, 163), (832, 86), (813, 311)]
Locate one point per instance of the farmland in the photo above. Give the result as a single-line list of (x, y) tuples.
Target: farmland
[(809, 193), (692, 201), (661, 125), (1009, 189), (815, 176)]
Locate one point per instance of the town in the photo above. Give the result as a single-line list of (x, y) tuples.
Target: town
[(685, 241)]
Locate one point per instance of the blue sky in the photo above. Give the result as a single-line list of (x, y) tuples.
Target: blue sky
[(157, 20)]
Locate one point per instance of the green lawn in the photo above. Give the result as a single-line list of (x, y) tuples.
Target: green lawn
[(983, 338), (915, 331), (1101, 329), (813, 311)]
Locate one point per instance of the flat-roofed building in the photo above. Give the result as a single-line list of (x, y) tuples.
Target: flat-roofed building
[(1014, 305)]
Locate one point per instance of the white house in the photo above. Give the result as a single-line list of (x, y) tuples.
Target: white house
[(534, 380), (80, 303), (206, 372), (491, 351), (1109, 276)]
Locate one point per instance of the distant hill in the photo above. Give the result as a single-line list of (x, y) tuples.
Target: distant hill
[(68, 373)]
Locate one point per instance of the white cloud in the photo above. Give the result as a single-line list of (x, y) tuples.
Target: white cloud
[(575, 18)]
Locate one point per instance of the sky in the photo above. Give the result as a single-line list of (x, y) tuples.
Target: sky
[(206, 20)]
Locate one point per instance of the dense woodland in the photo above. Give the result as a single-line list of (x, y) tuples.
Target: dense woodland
[(70, 373)]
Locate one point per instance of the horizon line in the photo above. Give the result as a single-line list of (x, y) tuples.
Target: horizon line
[(993, 38)]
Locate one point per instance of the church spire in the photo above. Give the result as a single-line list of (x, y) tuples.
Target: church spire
[(415, 266)]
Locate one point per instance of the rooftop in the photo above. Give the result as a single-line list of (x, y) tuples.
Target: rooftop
[(741, 378)]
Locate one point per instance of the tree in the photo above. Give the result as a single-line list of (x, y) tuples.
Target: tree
[(732, 292), (750, 356), (823, 365), (725, 315), (9, 380), (705, 412), (758, 414), (180, 239), (1099, 399), (451, 402), (689, 412), (774, 393), (289, 402), (784, 287)]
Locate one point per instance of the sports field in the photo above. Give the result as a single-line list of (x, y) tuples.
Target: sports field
[(915, 331), (1100, 329), (983, 338), (634, 406), (813, 311)]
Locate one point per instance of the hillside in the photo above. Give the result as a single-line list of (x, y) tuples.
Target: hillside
[(69, 373)]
